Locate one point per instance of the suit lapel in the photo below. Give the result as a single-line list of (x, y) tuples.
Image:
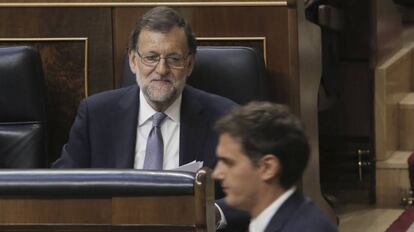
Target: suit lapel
[(193, 128), (124, 130), (286, 210)]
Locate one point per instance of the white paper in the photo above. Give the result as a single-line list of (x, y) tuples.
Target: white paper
[(193, 166)]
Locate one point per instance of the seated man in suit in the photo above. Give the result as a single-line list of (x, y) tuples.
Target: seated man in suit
[(262, 154), (161, 123)]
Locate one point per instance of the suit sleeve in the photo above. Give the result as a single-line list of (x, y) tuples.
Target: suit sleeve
[(237, 220), (76, 152)]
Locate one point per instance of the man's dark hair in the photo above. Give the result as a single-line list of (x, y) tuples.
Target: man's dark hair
[(162, 19), (267, 128)]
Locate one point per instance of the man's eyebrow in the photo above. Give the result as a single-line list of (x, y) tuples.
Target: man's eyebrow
[(166, 55), (225, 160), (152, 53), (174, 54)]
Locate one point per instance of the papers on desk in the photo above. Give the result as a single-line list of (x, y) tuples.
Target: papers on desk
[(190, 167)]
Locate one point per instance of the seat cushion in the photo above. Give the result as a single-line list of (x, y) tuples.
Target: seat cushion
[(22, 146)]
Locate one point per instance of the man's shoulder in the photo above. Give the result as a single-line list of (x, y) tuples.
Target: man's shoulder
[(309, 216), (298, 213), (209, 100), (111, 96)]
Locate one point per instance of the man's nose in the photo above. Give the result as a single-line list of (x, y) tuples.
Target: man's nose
[(217, 174), (162, 67)]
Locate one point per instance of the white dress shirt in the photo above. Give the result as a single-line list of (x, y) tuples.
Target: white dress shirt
[(170, 130), (259, 223)]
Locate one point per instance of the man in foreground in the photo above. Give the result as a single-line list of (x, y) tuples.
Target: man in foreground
[(262, 154)]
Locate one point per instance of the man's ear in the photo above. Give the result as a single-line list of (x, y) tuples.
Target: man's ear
[(269, 167), (132, 58)]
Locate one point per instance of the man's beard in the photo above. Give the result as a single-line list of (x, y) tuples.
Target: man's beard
[(161, 97)]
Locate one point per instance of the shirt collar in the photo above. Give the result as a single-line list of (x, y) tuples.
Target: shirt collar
[(260, 222), (146, 111)]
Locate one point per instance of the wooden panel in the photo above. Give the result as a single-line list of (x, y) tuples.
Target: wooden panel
[(62, 60), (406, 123), (309, 71), (348, 113), (273, 23), (387, 29), (392, 184), (92, 23), (355, 38), (345, 108), (392, 83), (153, 210), (43, 210), (94, 228)]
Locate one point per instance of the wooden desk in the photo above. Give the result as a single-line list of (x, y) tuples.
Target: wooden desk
[(106, 200)]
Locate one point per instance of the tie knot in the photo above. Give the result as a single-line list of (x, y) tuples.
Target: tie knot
[(157, 119)]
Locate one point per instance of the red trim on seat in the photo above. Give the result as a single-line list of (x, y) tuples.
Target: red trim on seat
[(403, 222)]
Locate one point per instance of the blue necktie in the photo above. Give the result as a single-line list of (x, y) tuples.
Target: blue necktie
[(154, 152)]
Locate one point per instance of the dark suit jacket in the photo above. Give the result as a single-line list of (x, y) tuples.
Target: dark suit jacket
[(104, 132), (299, 214)]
